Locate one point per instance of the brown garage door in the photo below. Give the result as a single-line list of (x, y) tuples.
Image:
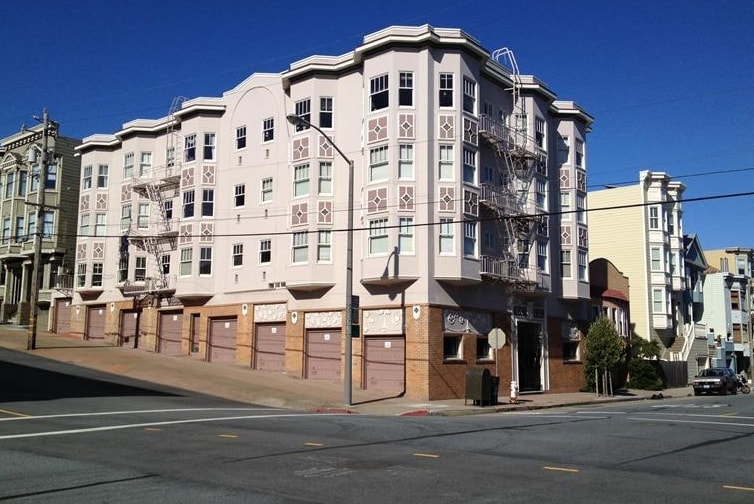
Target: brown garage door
[(323, 354), (95, 322), (269, 349), (171, 326), (222, 340), (128, 319), (63, 315), (384, 365)]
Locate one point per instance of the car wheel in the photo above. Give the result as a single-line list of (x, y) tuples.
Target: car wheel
[(734, 389), (696, 393), (723, 390)]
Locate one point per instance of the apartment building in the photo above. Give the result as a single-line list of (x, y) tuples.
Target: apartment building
[(610, 295), (21, 158), (734, 267), (638, 228), (221, 230)]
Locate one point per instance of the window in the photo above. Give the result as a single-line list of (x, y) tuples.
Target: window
[(658, 300), (48, 220), (539, 132), (325, 112), (446, 90), (565, 206), (583, 266), (451, 345), (239, 195), (301, 180), (266, 190), (19, 230), (10, 184), (324, 246), (35, 176), (86, 179), (406, 89), (52, 176), (145, 164), (265, 251), (81, 275), (102, 176), (167, 208), (6, 230), (184, 268), (671, 222), (84, 225), (483, 348), (189, 148), (469, 95), (140, 269), (571, 351), (378, 164), (128, 165), (99, 224), (406, 161), (446, 170), (208, 202), (565, 264), (469, 166), (170, 156), (378, 92), (301, 247), (188, 204), (406, 235), (542, 256), (378, 236), (325, 178), (31, 225), (165, 264), (581, 208), (741, 265), (209, 146), (564, 150), (446, 236), (97, 274), (237, 254), (205, 260), (268, 129), (240, 137), (123, 269), (541, 194), (23, 178), (304, 111), (142, 220), (469, 238), (656, 260), (580, 153)]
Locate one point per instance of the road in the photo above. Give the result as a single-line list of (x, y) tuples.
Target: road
[(73, 435)]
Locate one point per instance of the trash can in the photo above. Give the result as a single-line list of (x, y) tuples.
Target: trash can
[(478, 386), (494, 384)]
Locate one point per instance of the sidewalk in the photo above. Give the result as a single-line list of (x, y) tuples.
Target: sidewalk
[(278, 390)]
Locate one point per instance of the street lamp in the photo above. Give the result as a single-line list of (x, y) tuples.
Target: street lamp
[(297, 120)]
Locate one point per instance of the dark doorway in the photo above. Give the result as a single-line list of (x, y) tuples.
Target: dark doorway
[(529, 356)]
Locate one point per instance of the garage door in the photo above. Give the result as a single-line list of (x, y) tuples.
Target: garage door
[(95, 322), (269, 349), (63, 315), (171, 326), (323, 354), (127, 333), (222, 340), (384, 365)]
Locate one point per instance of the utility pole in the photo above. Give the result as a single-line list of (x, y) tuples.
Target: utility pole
[(31, 342)]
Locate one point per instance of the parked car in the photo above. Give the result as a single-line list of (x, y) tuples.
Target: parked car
[(717, 379)]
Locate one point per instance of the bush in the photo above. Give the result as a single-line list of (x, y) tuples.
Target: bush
[(643, 375)]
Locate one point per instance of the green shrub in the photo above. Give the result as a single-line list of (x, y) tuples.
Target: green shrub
[(643, 375)]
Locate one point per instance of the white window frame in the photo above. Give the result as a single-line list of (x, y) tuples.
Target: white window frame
[(379, 92), (406, 161), (239, 195), (378, 237), (566, 264), (186, 264), (565, 206), (406, 89), (446, 168), (445, 90), (265, 251), (189, 148), (268, 129), (300, 247), (86, 178), (583, 266), (655, 258), (100, 224), (209, 152), (301, 178), (378, 164), (128, 165), (324, 246), (240, 137), (406, 243), (103, 176), (205, 261), (265, 195), (469, 95), (326, 112), (303, 110), (447, 237), (469, 166), (236, 260), (470, 242), (654, 217), (145, 164), (142, 218), (324, 185), (581, 208), (542, 256), (83, 225)]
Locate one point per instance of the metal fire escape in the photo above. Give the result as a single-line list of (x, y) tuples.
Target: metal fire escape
[(160, 185), (517, 156)]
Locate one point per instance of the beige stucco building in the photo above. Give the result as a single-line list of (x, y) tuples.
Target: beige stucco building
[(220, 230)]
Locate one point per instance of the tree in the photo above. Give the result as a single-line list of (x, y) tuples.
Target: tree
[(603, 350)]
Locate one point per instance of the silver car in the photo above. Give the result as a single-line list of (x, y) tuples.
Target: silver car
[(717, 379)]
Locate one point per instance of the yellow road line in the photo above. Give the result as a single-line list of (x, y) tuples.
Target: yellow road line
[(14, 413), (314, 444), (231, 436), (426, 455), (745, 489), (151, 429), (563, 469)]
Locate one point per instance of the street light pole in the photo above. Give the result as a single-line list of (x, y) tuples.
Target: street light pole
[(347, 375), (31, 340)]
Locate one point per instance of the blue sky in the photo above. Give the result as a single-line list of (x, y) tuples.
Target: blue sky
[(669, 83)]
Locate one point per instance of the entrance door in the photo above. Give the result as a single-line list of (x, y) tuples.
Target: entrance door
[(384, 365), (323, 354), (529, 356), (269, 347)]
